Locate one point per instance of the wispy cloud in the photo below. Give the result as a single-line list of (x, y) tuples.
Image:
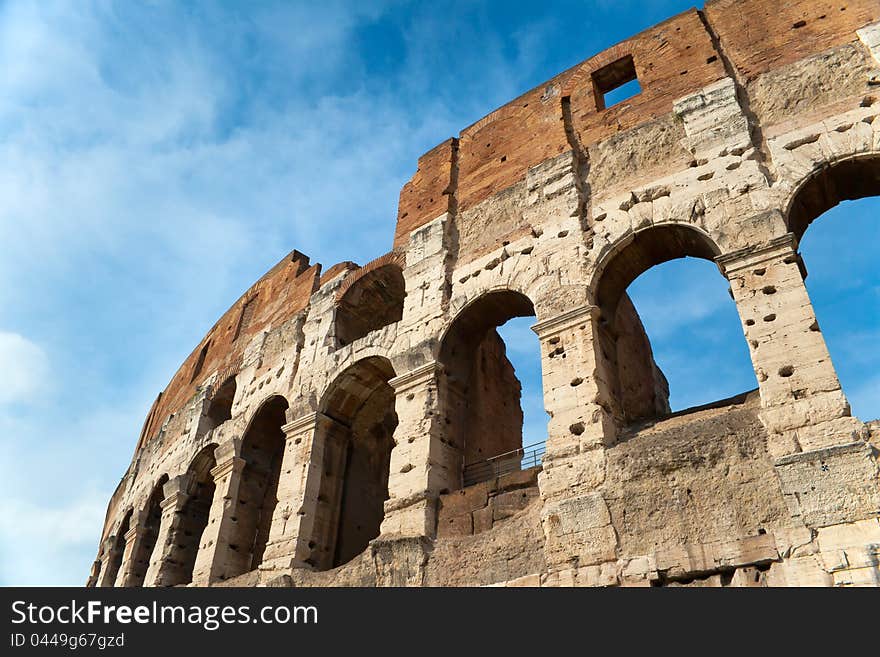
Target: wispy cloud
[(25, 369), (156, 160), (44, 544)]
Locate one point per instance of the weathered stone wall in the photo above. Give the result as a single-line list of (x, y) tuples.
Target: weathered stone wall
[(493, 423), (753, 119), (641, 387), (479, 507)]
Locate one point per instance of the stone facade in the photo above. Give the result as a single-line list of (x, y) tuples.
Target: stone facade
[(320, 433)]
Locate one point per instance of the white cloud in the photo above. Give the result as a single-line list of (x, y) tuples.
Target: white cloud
[(56, 479), (42, 545), (25, 369)]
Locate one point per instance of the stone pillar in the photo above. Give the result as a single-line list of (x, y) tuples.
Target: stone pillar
[(422, 463), (577, 395), (804, 407), (218, 556), (110, 552), (134, 537), (163, 559), (577, 398), (454, 409), (300, 524), (94, 573), (321, 454)]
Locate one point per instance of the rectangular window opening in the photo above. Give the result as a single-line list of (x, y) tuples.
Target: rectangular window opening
[(200, 363), (615, 83), (247, 312)]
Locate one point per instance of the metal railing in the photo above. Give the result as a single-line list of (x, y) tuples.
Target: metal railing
[(523, 458)]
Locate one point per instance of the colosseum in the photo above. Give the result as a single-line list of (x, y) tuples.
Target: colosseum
[(359, 425)]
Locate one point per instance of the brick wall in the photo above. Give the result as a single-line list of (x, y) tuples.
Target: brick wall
[(430, 191), (761, 35), (672, 59)]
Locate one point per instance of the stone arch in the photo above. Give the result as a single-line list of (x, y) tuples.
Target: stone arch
[(354, 448), (190, 522), (151, 517), (828, 185), (221, 401), (262, 450), (637, 252), (817, 193), (481, 394), (638, 389), (496, 301), (370, 298), (348, 356), (531, 277), (117, 550)]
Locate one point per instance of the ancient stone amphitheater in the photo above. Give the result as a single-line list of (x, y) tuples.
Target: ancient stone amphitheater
[(360, 425)]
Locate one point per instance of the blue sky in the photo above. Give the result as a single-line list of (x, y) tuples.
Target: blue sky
[(158, 157)]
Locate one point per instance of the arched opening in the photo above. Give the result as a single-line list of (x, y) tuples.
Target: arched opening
[(484, 416), (664, 284), (152, 517), (523, 350), (262, 449), (114, 561), (840, 256), (373, 301), (186, 534), (95, 577), (848, 180), (220, 408), (355, 461)]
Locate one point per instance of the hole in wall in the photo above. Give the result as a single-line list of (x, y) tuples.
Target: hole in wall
[(839, 247), (245, 317), (671, 335), (615, 83), (200, 362), (492, 361)]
